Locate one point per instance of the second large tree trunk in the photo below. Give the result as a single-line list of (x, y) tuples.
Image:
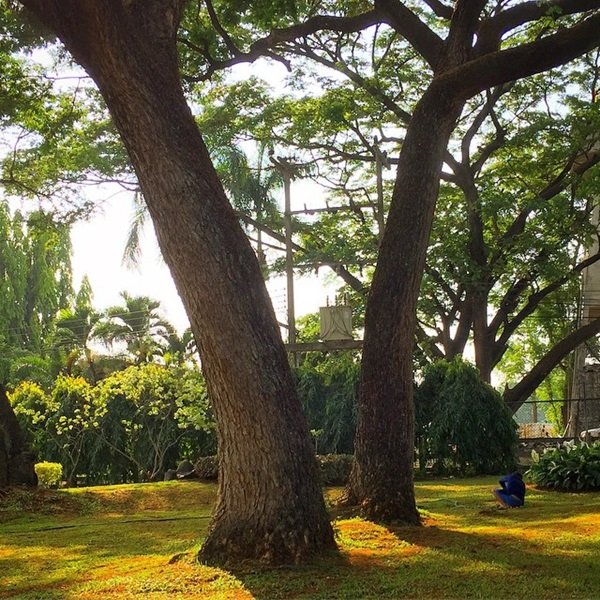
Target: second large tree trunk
[(270, 505), (381, 481)]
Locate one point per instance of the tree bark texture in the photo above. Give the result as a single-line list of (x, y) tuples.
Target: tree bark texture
[(381, 481), (270, 506)]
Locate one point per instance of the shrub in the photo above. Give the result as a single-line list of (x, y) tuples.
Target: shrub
[(334, 468), (328, 391), (463, 426), (49, 474), (571, 466)]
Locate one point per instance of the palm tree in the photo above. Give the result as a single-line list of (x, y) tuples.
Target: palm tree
[(77, 328), (181, 349), (139, 325), (250, 189)]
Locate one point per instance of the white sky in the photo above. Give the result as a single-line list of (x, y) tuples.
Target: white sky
[(98, 244), (98, 251)]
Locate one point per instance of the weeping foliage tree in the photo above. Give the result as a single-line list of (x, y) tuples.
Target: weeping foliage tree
[(463, 427), (269, 506)]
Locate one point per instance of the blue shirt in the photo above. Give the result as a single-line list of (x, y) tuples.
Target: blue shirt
[(513, 485)]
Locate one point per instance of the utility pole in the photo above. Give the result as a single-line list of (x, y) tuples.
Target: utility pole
[(289, 172), (381, 160)]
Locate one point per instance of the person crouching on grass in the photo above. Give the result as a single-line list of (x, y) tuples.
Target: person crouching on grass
[(512, 492)]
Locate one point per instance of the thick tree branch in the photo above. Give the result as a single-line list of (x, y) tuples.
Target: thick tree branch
[(524, 60), (440, 9), (220, 30), (516, 396), (428, 345), (160, 18), (463, 25), (491, 30), (405, 22)]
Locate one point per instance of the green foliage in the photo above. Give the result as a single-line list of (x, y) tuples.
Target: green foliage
[(33, 408), (151, 417), (571, 466), (462, 424), (132, 425), (49, 474), (71, 427), (60, 136), (328, 388), (139, 325), (35, 278)]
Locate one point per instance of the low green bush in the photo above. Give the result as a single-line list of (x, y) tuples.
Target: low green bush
[(334, 468), (571, 466), (49, 474)]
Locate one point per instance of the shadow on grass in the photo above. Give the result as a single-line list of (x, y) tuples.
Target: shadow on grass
[(466, 549), (58, 557), (432, 562)]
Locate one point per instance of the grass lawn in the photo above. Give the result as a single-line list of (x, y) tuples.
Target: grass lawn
[(139, 541)]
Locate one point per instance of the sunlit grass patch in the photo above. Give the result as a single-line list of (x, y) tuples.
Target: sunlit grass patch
[(140, 541), (358, 534)]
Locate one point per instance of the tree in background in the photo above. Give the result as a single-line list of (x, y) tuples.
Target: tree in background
[(513, 216), (152, 417), (35, 282), (35, 277), (77, 328), (137, 324), (73, 415)]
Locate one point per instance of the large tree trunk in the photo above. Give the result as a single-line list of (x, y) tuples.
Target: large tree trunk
[(482, 341), (16, 460), (270, 505), (381, 481), (466, 63)]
